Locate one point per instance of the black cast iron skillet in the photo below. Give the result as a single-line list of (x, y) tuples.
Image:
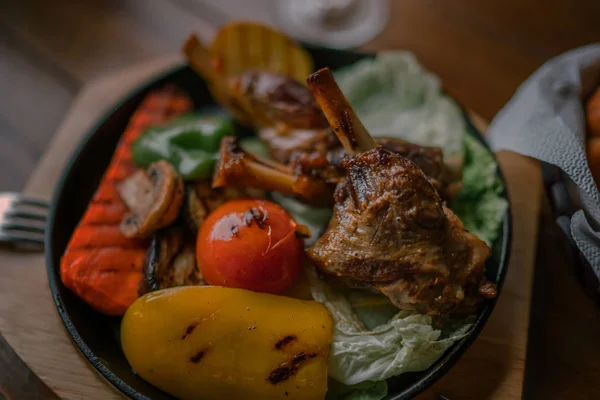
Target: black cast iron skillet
[(97, 336)]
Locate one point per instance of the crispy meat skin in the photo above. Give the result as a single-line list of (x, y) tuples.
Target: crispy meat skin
[(286, 115), (278, 98), (241, 169), (327, 166), (391, 232)]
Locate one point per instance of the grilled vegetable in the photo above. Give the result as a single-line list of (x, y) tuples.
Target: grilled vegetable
[(154, 198), (230, 56), (199, 58), (250, 244), (170, 261), (189, 143), (270, 51), (194, 209), (201, 199), (214, 343), (100, 264)]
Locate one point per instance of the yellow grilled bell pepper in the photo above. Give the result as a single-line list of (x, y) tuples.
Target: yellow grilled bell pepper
[(214, 343)]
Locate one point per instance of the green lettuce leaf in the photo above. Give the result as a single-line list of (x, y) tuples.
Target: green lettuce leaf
[(479, 204), (394, 96)]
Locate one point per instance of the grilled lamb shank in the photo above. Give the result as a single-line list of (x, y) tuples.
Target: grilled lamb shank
[(390, 230)]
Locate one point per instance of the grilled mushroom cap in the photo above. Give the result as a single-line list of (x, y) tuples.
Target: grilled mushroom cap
[(154, 198)]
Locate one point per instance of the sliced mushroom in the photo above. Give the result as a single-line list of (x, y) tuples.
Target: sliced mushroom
[(154, 198), (201, 199), (170, 261)]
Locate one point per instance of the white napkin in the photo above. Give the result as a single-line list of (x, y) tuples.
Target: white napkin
[(545, 120)]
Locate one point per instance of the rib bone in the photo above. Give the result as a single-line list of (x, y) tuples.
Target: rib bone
[(239, 168), (341, 117)]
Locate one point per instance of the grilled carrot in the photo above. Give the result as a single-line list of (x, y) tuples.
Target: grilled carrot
[(101, 265), (122, 170), (104, 214), (90, 236)]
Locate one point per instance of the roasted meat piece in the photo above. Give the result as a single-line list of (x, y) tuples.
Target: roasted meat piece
[(286, 115), (390, 230), (276, 98), (282, 110), (237, 168), (327, 165), (297, 133), (312, 177)]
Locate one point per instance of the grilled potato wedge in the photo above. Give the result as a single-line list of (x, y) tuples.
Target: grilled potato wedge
[(242, 46)]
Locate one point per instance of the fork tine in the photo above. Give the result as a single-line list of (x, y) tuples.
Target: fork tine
[(22, 221), (18, 226), (20, 238), (31, 201), (33, 215)]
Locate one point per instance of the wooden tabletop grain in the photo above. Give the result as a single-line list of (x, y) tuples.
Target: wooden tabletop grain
[(481, 50)]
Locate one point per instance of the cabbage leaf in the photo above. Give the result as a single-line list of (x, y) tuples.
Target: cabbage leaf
[(395, 96), (407, 342), (480, 205)]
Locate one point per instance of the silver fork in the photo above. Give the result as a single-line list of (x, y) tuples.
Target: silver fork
[(22, 220)]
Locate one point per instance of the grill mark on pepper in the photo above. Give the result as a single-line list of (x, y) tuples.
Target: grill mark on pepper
[(189, 330), (198, 356), (289, 368), (285, 341)]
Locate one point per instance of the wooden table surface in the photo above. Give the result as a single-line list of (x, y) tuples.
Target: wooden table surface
[(481, 50)]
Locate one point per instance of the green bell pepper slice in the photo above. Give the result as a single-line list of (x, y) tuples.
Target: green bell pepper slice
[(190, 143)]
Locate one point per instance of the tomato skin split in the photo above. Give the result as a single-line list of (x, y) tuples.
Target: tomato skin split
[(250, 244)]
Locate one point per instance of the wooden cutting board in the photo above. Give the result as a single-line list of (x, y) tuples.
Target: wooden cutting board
[(492, 368)]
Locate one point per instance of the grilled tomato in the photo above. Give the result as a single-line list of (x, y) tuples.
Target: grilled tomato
[(250, 244)]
